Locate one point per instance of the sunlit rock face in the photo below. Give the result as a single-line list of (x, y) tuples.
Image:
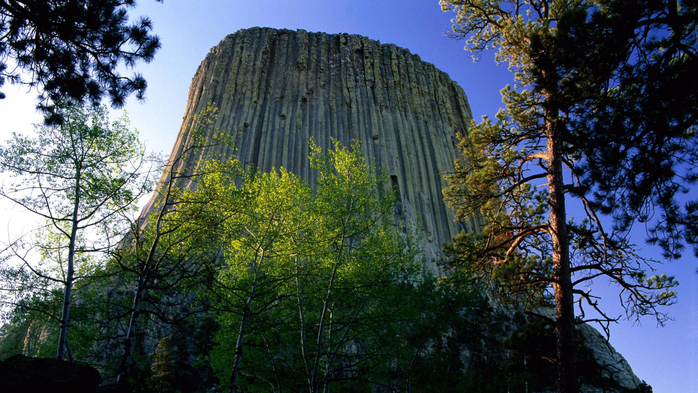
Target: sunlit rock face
[(277, 89)]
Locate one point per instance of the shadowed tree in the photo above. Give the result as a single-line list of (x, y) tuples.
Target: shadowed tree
[(548, 149), (73, 49)]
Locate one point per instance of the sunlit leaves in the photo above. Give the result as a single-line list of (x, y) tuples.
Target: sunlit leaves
[(318, 276)]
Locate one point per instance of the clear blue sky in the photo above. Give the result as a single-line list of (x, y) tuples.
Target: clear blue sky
[(666, 357)]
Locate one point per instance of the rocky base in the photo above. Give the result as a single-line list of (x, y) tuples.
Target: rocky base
[(20, 373)]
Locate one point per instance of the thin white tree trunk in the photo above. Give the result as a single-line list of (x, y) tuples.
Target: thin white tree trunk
[(239, 344), (319, 341), (65, 315), (303, 335), (237, 364)]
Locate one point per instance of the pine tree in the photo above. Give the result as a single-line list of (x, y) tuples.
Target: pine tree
[(522, 170)]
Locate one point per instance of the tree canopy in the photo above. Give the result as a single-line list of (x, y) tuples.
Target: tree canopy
[(73, 49), (639, 119), (318, 289)]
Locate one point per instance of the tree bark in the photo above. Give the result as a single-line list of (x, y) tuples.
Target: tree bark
[(562, 280)]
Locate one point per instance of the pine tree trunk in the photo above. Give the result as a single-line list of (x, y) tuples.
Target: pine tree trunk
[(564, 301)]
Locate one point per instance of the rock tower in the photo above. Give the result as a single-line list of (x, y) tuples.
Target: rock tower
[(277, 89)]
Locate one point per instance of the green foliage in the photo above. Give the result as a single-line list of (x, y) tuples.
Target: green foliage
[(532, 359), (32, 325), (73, 49), (318, 288), (639, 135), (507, 163), (88, 164), (333, 275), (30, 328), (171, 250), (469, 355)]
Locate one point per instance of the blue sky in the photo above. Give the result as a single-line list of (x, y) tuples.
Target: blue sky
[(666, 357)]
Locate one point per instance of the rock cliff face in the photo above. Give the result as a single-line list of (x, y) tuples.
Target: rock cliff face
[(277, 89), (613, 363)]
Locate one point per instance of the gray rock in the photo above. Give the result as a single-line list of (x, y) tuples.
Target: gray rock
[(613, 363)]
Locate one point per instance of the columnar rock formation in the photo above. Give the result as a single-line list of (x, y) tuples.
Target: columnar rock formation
[(277, 89)]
